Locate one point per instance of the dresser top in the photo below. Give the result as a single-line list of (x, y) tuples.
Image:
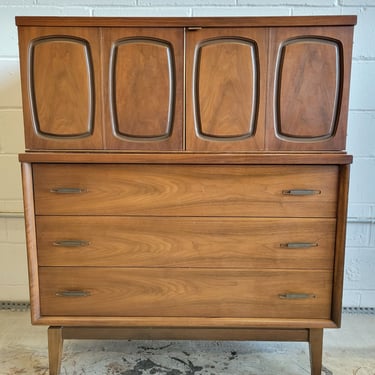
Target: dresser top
[(189, 21)]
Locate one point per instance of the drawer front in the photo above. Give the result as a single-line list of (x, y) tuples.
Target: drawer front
[(79, 291), (185, 190), (185, 242)]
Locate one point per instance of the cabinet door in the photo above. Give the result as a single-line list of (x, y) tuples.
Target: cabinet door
[(225, 93), (308, 88), (60, 70), (143, 88)]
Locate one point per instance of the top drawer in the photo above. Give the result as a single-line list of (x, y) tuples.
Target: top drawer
[(185, 190)]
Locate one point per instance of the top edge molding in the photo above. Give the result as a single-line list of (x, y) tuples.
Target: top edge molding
[(277, 21)]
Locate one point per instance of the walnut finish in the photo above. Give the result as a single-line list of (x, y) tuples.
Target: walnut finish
[(61, 108), (142, 83), (309, 88), (204, 190), (186, 177), (225, 93), (245, 88), (185, 242)]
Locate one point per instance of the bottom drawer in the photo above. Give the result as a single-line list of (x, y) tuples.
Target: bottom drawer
[(97, 291)]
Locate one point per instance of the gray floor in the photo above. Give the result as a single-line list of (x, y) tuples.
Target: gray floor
[(347, 351)]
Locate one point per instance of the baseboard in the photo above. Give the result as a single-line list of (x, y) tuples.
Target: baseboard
[(359, 310), (14, 305)]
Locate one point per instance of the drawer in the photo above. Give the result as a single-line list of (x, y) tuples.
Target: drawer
[(185, 190), (185, 242), (96, 291)]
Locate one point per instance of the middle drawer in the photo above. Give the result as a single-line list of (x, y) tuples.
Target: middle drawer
[(185, 242)]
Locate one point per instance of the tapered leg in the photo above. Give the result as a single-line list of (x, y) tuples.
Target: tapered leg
[(316, 350), (55, 348)]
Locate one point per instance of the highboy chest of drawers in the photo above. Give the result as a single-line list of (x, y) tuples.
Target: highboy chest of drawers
[(186, 178)]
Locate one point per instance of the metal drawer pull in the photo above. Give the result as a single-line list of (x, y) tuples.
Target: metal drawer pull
[(299, 245), (302, 192), (71, 243), (73, 293), (68, 190), (296, 296)]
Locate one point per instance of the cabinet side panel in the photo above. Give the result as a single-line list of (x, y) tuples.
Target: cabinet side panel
[(338, 280), (28, 199)]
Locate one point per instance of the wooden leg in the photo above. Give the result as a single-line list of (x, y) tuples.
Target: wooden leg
[(316, 350), (55, 348)]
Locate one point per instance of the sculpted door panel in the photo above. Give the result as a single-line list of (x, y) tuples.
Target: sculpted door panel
[(308, 91), (143, 86), (225, 89), (60, 70)]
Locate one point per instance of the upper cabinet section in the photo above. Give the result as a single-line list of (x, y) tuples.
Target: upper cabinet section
[(186, 84)]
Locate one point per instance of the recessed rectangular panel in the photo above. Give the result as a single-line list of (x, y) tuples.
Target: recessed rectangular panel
[(226, 88), (308, 89), (142, 79), (62, 86)]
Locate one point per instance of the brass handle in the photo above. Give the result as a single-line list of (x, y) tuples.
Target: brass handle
[(302, 192), (73, 293), (298, 245), (297, 296), (68, 190), (71, 243)]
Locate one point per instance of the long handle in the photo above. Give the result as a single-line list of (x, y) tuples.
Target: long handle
[(297, 296), (71, 243), (68, 190), (299, 245), (301, 192), (73, 293)]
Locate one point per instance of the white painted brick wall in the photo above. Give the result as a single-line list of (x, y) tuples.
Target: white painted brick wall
[(359, 275)]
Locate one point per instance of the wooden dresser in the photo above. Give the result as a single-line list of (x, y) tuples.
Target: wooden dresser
[(186, 178)]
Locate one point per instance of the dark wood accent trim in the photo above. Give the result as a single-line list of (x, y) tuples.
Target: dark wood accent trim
[(188, 21)]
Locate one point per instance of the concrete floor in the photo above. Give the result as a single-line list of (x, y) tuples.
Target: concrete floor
[(347, 351)]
